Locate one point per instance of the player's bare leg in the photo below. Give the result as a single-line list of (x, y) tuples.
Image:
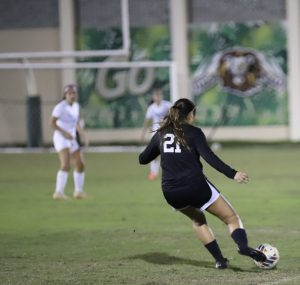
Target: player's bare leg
[(224, 211), (205, 235)]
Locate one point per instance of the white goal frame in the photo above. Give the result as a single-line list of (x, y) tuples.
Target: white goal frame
[(171, 65), (85, 53)]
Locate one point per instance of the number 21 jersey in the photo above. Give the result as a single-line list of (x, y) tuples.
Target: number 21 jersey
[(178, 163)]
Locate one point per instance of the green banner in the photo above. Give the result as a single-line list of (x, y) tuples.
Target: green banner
[(118, 98), (237, 74)]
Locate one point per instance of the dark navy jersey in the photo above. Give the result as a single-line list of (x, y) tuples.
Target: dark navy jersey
[(181, 165)]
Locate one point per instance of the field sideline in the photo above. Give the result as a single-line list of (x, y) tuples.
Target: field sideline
[(125, 233)]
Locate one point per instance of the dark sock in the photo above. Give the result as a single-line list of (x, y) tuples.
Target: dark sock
[(214, 250), (240, 238)]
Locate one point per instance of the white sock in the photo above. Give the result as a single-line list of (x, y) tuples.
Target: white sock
[(154, 166), (78, 181), (61, 181)]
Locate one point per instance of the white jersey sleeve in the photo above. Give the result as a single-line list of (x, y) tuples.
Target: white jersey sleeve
[(57, 111)]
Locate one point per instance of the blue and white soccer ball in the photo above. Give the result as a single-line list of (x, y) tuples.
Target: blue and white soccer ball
[(272, 255)]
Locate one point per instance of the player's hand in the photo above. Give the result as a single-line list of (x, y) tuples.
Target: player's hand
[(67, 135), (241, 177)]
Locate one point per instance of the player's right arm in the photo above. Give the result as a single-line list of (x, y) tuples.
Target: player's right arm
[(54, 126), (151, 152)]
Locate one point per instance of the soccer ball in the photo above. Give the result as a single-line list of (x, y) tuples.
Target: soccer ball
[(272, 255)]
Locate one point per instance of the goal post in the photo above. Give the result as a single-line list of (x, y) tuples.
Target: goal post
[(30, 67), (113, 95)]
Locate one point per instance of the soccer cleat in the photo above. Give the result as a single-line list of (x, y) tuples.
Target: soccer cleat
[(60, 196), (253, 253), (222, 264), (79, 195), (152, 176)]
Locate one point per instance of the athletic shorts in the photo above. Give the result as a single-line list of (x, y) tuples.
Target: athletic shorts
[(199, 194), (60, 143)]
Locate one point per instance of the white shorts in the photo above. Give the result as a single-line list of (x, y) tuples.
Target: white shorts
[(60, 143), (214, 196)]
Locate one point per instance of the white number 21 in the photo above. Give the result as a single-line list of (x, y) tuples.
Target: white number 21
[(169, 140)]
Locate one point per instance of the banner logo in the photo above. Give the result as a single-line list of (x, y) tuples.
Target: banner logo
[(240, 71)]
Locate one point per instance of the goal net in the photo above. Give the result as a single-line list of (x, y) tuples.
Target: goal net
[(113, 96)]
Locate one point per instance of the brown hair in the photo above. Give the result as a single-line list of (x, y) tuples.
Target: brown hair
[(175, 119), (69, 88)]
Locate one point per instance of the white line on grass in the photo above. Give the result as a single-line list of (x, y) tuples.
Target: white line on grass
[(100, 149), (284, 280)]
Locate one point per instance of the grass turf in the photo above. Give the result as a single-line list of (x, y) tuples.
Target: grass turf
[(125, 233)]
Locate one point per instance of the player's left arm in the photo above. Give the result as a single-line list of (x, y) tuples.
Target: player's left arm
[(80, 130), (241, 177), (210, 157)]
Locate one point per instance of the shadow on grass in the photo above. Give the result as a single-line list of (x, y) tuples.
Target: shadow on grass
[(165, 259)]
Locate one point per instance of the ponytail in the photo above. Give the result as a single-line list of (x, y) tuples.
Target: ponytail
[(175, 119)]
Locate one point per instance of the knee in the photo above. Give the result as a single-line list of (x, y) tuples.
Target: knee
[(199, 221), (65, 167), (197, 225), (232, 219), (80, 167)]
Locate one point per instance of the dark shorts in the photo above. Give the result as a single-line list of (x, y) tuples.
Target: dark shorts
[(198, 193)]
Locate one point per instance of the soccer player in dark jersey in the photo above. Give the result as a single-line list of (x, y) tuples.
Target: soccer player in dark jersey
[(185, 187)]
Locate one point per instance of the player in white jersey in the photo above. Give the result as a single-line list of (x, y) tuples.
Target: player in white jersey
[(65, 122), (154, 115)]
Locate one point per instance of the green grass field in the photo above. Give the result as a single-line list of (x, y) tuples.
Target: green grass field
[(125, 233)]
